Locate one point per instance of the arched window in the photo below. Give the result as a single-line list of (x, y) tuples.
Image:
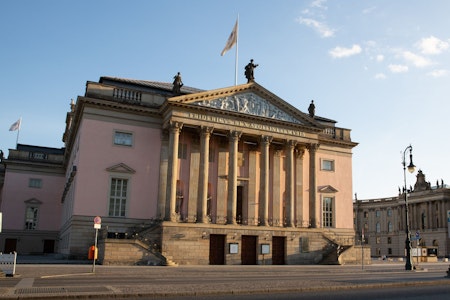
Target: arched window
[(390, 227)]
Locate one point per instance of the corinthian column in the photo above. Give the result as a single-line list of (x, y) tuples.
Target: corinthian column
[(174, 134), (204, 170), (264, 201), (290, 180), (232, 176), (312, 148)]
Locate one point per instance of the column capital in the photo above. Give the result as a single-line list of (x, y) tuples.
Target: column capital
[(175, 125), (266, 139), (206, 130), (291, 144), (234, 135), (313, 147)]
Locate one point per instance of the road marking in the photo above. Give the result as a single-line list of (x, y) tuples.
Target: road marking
[(25, 283), (66, 275)]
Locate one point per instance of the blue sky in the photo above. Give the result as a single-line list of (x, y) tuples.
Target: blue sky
[(379, 67)]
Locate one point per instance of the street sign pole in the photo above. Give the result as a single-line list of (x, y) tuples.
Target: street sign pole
[(97, 226), (95, 250)]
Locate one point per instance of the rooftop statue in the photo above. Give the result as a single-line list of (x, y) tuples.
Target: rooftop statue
[(177, 84), (249, 71)]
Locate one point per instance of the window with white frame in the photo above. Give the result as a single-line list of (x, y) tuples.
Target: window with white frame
[(31, 217), (327, 165), (118, 197), (123, 138), (327, 211)]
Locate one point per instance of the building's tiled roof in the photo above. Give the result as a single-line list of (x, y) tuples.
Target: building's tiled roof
[(167, 86)]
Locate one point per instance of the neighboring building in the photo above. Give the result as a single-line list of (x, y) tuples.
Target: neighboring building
[(227, 176), (384, 220), (31, 199)]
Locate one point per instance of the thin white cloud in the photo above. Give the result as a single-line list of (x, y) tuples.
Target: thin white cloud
[(320, 27), (379, 58), (398, 68), (340, 52), (432, 45), (319, 4), (380, 76), (438, 73), (368, 10), (416, 60)]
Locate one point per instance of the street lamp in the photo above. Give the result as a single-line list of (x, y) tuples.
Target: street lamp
[(411, 167)]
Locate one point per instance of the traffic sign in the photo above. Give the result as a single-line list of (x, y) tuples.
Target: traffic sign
[(97, 220)]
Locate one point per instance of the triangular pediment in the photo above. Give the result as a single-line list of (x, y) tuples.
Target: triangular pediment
[(121, 168), (33, 201), (326, 189), (251, 99)]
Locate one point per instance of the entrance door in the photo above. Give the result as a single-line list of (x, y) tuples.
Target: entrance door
[(10, 245), (49, 246), (248, 253), (278, 250), (217, 249)]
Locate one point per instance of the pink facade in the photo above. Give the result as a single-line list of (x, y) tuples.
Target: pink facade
[(97, 152), (16, 192)]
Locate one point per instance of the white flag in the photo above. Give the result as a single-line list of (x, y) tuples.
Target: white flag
[(16, 125), (231, 40)]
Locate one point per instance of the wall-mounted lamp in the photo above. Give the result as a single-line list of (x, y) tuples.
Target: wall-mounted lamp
[(204, 235), (293, 237), (234, 236)]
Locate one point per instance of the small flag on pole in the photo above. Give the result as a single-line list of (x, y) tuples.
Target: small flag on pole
[(231, 40), (16, 125)]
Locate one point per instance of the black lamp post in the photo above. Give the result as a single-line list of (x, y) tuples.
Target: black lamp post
[(411, 167)]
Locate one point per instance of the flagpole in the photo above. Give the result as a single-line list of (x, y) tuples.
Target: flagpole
[(18, 131), (236, 58)]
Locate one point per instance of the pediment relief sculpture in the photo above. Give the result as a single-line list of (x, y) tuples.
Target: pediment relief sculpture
[(249, 103)]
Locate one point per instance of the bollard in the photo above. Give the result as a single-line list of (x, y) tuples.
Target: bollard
[(448, 272)]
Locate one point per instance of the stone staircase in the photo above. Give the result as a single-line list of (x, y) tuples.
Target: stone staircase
[(334, 248), (142, 247)]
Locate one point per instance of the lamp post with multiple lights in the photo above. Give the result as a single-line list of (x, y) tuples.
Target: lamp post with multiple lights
[(411, 167)]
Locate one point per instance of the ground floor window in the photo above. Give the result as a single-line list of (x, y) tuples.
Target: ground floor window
[(118, 197), (327, 210)]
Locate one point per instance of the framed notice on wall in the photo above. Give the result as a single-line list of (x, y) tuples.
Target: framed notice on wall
[(265, 248), (233, 248)]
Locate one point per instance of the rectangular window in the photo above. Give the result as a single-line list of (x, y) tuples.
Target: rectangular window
[(118, 197), (327, 165), (389, 212), (31, 218), (327, 209), (35, 183), (377, 213), (123, 138)]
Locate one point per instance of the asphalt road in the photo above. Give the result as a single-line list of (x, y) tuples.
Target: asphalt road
[(434, 292), (274, 282)]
